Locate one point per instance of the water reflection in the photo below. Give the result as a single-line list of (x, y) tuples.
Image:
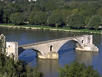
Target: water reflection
[(85, 57), (29, 56), (48, 67)]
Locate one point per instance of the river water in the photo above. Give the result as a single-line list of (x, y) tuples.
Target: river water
[(67, 54)]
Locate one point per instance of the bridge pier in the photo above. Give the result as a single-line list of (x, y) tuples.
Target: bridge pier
[(89, 48), (49, 55)]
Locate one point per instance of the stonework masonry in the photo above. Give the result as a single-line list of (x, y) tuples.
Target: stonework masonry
[(12, 49), (49, 49)]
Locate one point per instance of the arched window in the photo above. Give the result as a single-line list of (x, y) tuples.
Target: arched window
[(51, 47), (82, 41), (9, 46)]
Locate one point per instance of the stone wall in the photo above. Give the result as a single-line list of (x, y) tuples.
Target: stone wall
[(12, 49)]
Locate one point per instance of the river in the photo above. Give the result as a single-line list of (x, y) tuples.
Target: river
[(67, 54)]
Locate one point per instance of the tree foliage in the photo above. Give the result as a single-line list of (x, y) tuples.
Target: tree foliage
[(55, 18), (17, 18), (78, 70), (75, 21), (94, 22), (37, 17), (69, 13)]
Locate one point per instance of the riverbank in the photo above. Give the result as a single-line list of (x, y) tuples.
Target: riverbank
[(33, 27)]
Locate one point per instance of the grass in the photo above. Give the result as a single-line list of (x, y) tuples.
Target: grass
[(54, 28)]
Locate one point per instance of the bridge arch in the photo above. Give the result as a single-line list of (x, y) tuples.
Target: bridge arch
[(70, 44), (21, 50), (78, 43)]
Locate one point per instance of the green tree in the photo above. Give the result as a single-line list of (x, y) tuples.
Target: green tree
[(65, 14), (1, 14), (88, 9), (94, 22), (78, 70), (38, 17), (90, 72), (99, 12), (55, 18), (8, 10), (75, 21), (17, 18)]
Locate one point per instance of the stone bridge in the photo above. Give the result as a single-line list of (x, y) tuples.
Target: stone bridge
[(49, 49)]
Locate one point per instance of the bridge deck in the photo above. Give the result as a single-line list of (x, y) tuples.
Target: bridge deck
[(48, 41)]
